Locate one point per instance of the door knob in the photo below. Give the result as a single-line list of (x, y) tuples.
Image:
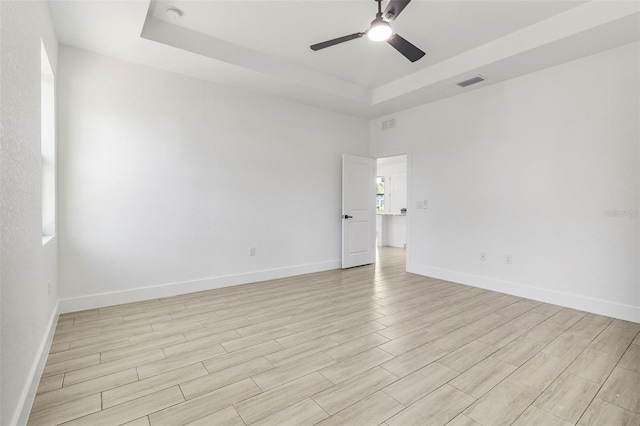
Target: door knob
[(346, 216)]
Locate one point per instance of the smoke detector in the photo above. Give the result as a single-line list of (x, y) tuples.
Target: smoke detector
[(173, 13)]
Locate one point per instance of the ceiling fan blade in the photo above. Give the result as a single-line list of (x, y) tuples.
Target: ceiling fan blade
[(335, 41), (409, 51), (394, 8)]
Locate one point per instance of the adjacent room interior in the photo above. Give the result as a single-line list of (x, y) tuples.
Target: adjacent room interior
[(172, 219)]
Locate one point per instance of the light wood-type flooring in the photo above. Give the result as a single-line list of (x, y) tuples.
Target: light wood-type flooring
[(365, 346)]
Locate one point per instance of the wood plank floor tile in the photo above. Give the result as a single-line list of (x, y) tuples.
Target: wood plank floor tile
[(515, 310), (621, 389), (413, 360), (587, 328), (536, 417), (567, 316), (181, 347), (392, 345), (631, 359), (454, 340), (254, 339), (349, 334), (613, 340), (355, 346), (302, 350), (308, 335), (593, 365), (602, 413), (280, 375), (519, 351), (152, 384), (110, 367), (225, 417), (482, 377), (567, 397), (371, 410), (528, 320), (126, 351), (209, 382), (261, 327), (437, 408), (162, 365), (202, 406), (226, 360), (467, 356), (132, 410), (502, 335), (50, 383), (567, 346), (214, 327), (82, 389), (420, 383), (462, 420), (348, 392), (350, 367), (142, 421), (540, 371), (66, 411), (152, 335), (274, 400), (305, 412), (416, 323), (82, 351), (503, 404), (70, 365), (398, 317), (410, 341), (547, 309), (545, 332)]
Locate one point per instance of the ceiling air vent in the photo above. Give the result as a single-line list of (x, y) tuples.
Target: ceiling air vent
[(474, 80), (389, 124)]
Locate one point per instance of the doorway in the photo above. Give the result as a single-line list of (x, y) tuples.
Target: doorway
[(391, 201)]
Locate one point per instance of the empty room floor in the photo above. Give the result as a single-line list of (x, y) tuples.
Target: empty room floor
[(370, 345)]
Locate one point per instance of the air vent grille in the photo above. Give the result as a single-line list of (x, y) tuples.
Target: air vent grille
[(389, 124), (474, 80)]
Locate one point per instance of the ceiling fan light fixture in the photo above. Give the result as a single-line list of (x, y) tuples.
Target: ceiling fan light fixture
[(380, 30)]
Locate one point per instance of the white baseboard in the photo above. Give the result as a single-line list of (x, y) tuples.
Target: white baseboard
[(574, 301), (29, 392), (165, 290)]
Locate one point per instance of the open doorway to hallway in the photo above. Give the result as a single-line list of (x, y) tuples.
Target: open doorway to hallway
[(391, 202), (390, 262)]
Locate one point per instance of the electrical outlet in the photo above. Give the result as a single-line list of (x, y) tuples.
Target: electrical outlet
[(483, 257), (508, 259), (252, 251)]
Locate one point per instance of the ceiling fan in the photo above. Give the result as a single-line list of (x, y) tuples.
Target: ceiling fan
[(380, 30)]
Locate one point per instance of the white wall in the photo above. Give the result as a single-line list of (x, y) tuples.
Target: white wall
[(28, 311), (529, 167), (166, 179)]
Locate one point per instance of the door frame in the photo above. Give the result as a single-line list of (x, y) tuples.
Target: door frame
[(410, 203)]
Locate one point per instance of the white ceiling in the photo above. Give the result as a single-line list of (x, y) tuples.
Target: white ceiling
[(264, 44)]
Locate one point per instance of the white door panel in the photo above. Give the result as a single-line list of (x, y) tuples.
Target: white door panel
[(358, 211)]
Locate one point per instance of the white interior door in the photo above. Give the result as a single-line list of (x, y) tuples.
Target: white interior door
[(358, 211)]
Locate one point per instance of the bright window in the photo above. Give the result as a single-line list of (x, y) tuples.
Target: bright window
[(48, 146)]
